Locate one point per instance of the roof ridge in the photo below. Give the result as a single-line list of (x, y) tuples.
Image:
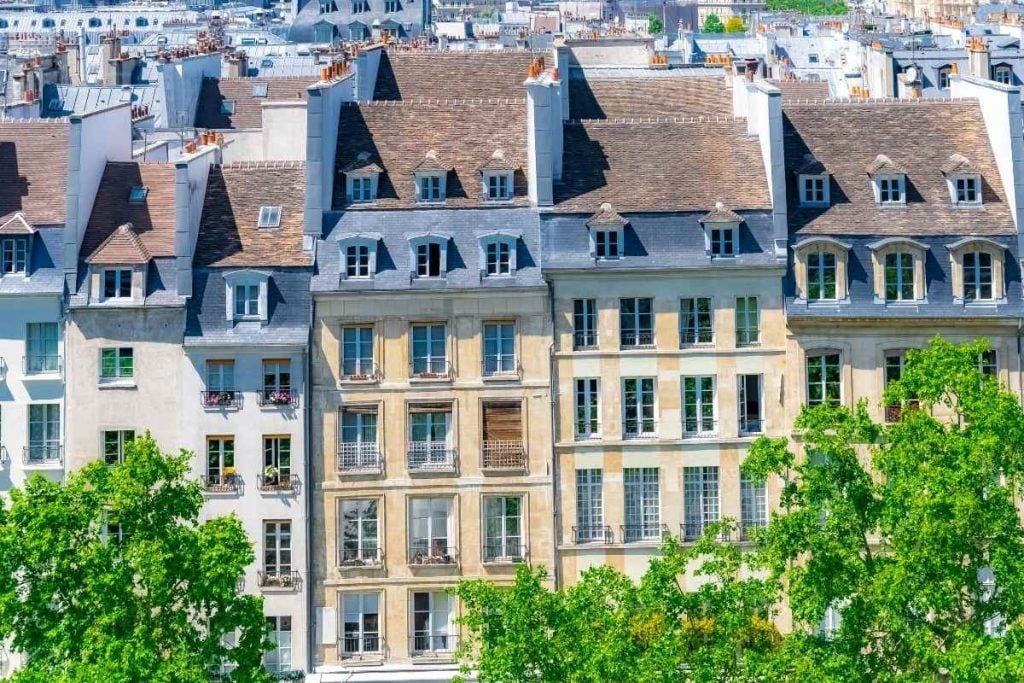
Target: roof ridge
[(706, 118), (446, 101), (262, 165), (840, 101)]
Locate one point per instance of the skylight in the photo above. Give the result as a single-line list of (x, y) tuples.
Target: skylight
[(270, 217), (137, 195), (259, 89)]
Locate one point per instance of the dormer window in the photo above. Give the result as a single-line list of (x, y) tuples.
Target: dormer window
[(814, 190), (977, 276), (977, 269), (898, 265), (13, 255), (360, 189), (431, 177), (820, 269), (137, 195), (723, 241), (943, 77), (429, 255), (498, 254), (270, 217), (721, 231), (362, 177), (430, 188), (967, 189), (246, 295), (888, 181), (359, 255), (1002, 74), (607, 244), (890, 189), (607, 229), (117, 283), (963, 180), (247, 301), (498, 175)]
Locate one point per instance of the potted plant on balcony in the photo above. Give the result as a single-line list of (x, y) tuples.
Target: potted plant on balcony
[(228, 475), (281, 397), (271, 476)]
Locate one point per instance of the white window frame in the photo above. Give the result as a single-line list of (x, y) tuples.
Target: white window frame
[(808, 185), (824, 355), (645, 387), (431, 540), (634, 319), (367, 515), (820, 270), (645, 519), (702, 499), (943, 74), (501, 362), (1001, 73), (587, 396), (690, 327), (888, 186), (277, 539), (431, 187), (584, 324), (589, 505), (367, 640), (118, 375), (607, 243), (494, 245), (270, 217), (13, 256), (748, 321), (121, 438), (361, 187), (425, 241), (955, 189), (279, 659), (359, 363), (899, 255), (438, 603), (753, 505), (972, 276), (246, 278), (498, 186), (697, 424), (430, 361), (511, 543), (742, 393), (362, 271)]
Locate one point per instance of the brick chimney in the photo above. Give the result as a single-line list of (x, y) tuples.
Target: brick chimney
[(544, 131), (979, 60)]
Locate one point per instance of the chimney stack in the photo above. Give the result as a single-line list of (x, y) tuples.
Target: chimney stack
[(238, 65), (978, 58), (544, 131)]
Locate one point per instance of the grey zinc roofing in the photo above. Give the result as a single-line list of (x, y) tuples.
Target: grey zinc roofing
[(161, 284), (46, 266), (465, 226), (654, 241), (289, 311), (939, 302), (64, 100)]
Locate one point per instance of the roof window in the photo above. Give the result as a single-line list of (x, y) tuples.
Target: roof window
[(270, 217)]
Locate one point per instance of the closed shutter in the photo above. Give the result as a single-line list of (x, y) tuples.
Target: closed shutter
[(503, 422), (442, 407)]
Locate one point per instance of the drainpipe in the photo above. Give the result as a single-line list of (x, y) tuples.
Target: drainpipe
[(556, 509), (1020, 357), (308, 468)]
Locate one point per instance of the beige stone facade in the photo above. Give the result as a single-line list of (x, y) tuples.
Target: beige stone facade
[(460, 477)]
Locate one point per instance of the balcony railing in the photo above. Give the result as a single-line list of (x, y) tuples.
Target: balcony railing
[(41, 364), (360, 457), (639, 429), (278, 578), (636, 340), (360, 371), (432, 553), (430, 456), (699, 428), (501, 367), (648, 531), (277, 482), (751, 425), (221, 399), (431, 368), (592, 534), (360, 557), (504, 553), (505, 454), (584, 340), (426, 645), (42, 454), (365, 645), (221, 483), (278, 398)]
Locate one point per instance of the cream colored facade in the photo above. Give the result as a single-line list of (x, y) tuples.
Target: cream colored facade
[(390, 392), (668, 361)]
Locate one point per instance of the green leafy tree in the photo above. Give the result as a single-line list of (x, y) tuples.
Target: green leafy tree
[(605, 627), (735, 25), (654, 25), (111, 578), (900, 527), (712, 24), (812, 7)]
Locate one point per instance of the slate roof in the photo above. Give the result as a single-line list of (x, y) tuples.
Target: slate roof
[(464, 226), (464, 134), (593, 97), (46, 266), (63, 100), (34, 170), (457, 75), (289, 310), (228, 235), (248, 107), (939, 288), (122, 247), (920, 136), (152, 219), (655, 241), (682, 165)]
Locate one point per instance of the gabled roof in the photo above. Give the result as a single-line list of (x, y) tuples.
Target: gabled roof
[(152, 219), (957, 163), (122, 248), (431, 162), (17, 225), (248, 108), (498, 162), (363, 162), (34, 170), (606, 215), (882, 164), (810, 166), (720, 214)]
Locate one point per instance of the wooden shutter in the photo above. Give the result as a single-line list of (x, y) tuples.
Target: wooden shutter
[(503, 422), (442, 407)]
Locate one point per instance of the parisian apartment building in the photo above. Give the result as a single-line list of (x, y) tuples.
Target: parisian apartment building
[(438, 315)]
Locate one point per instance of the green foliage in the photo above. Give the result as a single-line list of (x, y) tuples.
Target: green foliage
[(735, 25), (712, 24), (152, 604), (607, 628), (654, 25), (812, 7)]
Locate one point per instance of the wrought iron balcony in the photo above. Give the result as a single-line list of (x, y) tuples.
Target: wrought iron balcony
[(42, 454), (221, 483), (584, 340), (221, 399), (501, 368), (432, 553), (282, 398), (431, 456), (504, 553), (504, 454), (647, 531), (699, 428), (360, 457), (41, 364), (640, 429), (367, 645), (432, 645), (278, 578), (590, 533), (277, 482), (636, 340), (360, 557)]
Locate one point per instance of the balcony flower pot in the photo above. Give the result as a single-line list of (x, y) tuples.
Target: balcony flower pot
[(229, 472), (279, 398)]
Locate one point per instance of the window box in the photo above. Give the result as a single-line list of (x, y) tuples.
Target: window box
[(272, 481), (364, 373), (435, 553), (221, 399), (433, 369), (504, 553), (278, 398), (282, 578), (227, 482)]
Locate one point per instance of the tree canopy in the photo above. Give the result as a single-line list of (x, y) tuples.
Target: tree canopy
[(712, 24), (110, 577), (735, 25), (812, 7), (654, 24), (906, 531)]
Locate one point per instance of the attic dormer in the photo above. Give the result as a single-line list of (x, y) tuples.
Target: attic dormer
[(498, 176), (431, 179), (963, 179), (721, 232), (362, 178), (813, 181), (888, 181), (117, 269), (16, 235), (607, 230)]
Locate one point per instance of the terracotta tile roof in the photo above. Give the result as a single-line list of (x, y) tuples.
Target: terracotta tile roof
[(647, 98), (122, 247), (17, 225), (431, 162), (456, 75), (152, 219), (882, 165), (248, 108), (721, 214), (228, 232), (465, 134), (606, 215), (34, 170), (815, 91), (921, 136), (958, 163), (683, 165)]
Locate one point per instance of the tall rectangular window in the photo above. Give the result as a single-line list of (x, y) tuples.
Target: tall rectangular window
[(41, 348), (114, 444), (357, 351), (988, 363), (432, 629), (823, 378), (753, 506), (636, 322), (699, 406), (428, 259), (748, 321), (44, 432), (117, 283), (821, 276), (360, 535), (247, 301), (277, 548), (362, 189), (638, 407), (499, 348), (700, 499), (503, 529), (589, 506), (117, 364), (220, 460), (429, 437), (277, 380), (357, 261), (430, 530), (584, 323), (899, 276), (750, 411), (13, 255), (277, 460), (360, 630), (279, 659), (977, 276), (499, 257), (429, 356), (358, 448), (220, 375), (588, 409), (643, 504), (695, 321)]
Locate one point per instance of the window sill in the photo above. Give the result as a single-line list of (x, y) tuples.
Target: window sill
[(117, 384), (357, 380), (434, 379), (697, 346), (42, 376), (501, 377)]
